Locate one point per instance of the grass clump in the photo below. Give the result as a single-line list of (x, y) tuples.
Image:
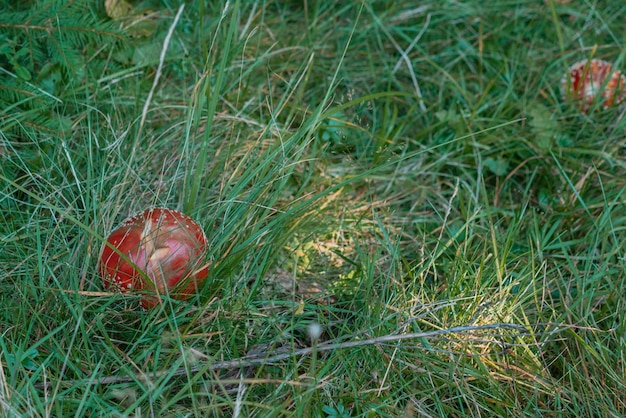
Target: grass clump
[(405, 177)]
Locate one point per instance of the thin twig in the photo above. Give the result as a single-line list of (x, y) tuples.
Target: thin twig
[(405, 53), (264, 359), (166, 43), (405, 57)]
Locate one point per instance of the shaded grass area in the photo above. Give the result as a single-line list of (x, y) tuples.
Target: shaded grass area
[(377, 168)]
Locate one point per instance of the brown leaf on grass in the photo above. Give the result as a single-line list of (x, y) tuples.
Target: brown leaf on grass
[(118, 9), (138, 24)]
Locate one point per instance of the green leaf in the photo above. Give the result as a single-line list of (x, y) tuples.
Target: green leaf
[(21, 72), (26, 360), (543, 126), (498, 166), (331, 128)]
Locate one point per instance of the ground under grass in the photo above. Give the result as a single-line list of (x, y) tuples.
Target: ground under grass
[(402, 176)]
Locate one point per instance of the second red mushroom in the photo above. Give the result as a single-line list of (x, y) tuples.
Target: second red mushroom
[(588, 79)]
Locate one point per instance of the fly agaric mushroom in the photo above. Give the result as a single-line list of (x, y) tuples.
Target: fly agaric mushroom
[(588, 79), (163, 254)]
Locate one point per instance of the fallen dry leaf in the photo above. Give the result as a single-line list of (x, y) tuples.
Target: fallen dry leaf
[(118, 9)]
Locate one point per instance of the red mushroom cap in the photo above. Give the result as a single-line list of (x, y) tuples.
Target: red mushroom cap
[(164, 253), (588, 79)]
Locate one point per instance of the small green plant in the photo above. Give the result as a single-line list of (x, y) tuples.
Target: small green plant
[(26, 360), (336, 411)]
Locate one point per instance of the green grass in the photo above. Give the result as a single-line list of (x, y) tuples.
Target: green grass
[(390, 204)]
